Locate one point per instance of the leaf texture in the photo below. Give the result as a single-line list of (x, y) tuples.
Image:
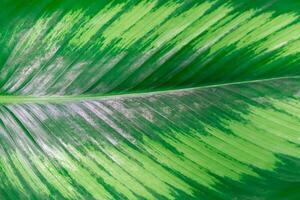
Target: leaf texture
[(149, 99), (237, 141), (66, 48)]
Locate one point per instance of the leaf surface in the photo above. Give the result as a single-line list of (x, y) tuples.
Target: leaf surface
[(149, 100)]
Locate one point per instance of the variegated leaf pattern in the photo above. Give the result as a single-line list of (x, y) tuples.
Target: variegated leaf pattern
[(231, 142), (149, 99), (56, 47)]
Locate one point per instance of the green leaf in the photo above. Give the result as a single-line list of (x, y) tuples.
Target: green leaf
[(149, 99)]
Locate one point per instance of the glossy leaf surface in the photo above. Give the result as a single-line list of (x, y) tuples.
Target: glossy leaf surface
[(62, 47), (97, 99)]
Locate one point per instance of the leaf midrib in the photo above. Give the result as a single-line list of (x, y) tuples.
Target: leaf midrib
[(19, 99)]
